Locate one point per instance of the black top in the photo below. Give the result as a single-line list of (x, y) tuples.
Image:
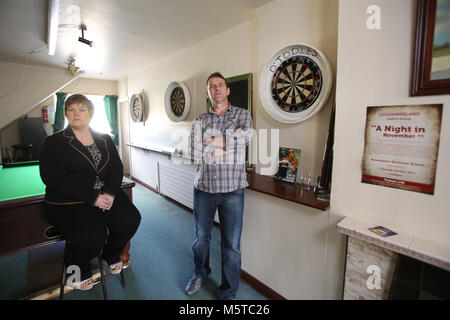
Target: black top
[(69, 173)]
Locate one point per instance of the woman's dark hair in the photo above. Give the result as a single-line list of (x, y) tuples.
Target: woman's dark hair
[(217, 75), (79, 99)]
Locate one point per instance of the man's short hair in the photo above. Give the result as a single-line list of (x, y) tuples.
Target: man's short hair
[(79, 99), (217, 75)]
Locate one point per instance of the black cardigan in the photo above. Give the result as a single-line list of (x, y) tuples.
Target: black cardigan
[(69, 173)]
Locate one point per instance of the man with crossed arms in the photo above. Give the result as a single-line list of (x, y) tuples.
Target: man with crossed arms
[(218, 141)]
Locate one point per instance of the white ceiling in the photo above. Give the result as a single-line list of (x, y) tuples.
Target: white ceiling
[(128, 35)]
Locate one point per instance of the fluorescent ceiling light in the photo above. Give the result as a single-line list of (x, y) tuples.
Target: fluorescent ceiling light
[(52, 28), (69, 14)]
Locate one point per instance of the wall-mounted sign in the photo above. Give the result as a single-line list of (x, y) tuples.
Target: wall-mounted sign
[(295, 83), (177, 101), (401, 146)]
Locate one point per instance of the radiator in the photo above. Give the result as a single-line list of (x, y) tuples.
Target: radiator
[(177, 182)]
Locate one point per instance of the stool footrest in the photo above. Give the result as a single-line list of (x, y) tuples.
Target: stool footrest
[(100, 276), (99, 280)]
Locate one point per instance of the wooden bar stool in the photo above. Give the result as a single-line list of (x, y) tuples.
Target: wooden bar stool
[(102, 279)]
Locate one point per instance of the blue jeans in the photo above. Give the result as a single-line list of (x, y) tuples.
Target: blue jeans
[(231, 208)]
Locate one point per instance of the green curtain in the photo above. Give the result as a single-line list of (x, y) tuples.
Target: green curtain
[(111, 114), (58, 123)]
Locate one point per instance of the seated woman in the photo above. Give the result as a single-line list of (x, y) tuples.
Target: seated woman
[(84, 200)]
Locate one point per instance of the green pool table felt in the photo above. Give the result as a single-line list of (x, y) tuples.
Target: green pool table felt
[(20, 182)]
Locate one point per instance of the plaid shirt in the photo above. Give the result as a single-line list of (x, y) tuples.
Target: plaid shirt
[(227, 173)]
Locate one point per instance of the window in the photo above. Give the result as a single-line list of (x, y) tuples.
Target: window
[(99, 122)]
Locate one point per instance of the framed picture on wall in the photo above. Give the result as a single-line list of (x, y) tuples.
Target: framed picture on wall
[(401, 146), (431, 64)]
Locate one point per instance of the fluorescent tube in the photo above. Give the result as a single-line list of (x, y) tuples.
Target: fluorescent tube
[(52, 28)]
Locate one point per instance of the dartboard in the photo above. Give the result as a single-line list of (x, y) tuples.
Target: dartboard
[(177, 101), (295, 83), (136, 107)]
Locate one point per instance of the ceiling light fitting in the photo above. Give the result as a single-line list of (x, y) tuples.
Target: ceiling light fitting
[(82, 39), (53, 19), (73, 69)]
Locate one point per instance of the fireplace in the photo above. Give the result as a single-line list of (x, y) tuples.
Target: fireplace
[(403, 266), (417, 280)]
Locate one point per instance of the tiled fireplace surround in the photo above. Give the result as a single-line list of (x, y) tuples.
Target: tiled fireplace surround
[(370, 256)]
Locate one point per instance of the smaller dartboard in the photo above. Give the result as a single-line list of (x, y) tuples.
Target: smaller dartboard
[(177, 101), (295, 83), (136, 107)]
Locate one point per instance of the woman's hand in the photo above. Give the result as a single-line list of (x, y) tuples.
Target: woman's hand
[(104, 202)]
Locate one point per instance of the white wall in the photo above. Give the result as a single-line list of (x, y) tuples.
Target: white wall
[(230, 52), (285, 22), (374, 69), (242, 49), (23, 87), (292, 248), (92, 86)]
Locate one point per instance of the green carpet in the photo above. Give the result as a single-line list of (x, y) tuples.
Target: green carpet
[(161, 258)]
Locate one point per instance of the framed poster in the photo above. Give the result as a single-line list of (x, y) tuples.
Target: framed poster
[(431, 64), (401, 146)]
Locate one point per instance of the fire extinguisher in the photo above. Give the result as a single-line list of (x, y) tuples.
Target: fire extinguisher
[(45, 115)]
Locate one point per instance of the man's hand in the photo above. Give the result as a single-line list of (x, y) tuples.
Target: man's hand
[(217, 142), (219, 152), (217, 146)]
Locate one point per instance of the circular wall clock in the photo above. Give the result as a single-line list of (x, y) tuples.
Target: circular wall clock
[(177, 101), (295, 83), (136, 108)]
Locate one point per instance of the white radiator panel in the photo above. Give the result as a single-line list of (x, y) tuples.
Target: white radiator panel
[(177, 182)]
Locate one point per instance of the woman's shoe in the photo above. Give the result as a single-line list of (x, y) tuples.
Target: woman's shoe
[(115, 268), (83, 285)]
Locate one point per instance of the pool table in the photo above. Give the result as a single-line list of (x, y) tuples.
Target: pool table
[(23, 225)]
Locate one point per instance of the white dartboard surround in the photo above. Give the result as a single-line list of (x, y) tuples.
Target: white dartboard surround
[(177, 101), (136, 108), (295, 83)]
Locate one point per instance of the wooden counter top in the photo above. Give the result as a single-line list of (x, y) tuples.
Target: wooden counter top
[(264, 184), (285, 190)]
